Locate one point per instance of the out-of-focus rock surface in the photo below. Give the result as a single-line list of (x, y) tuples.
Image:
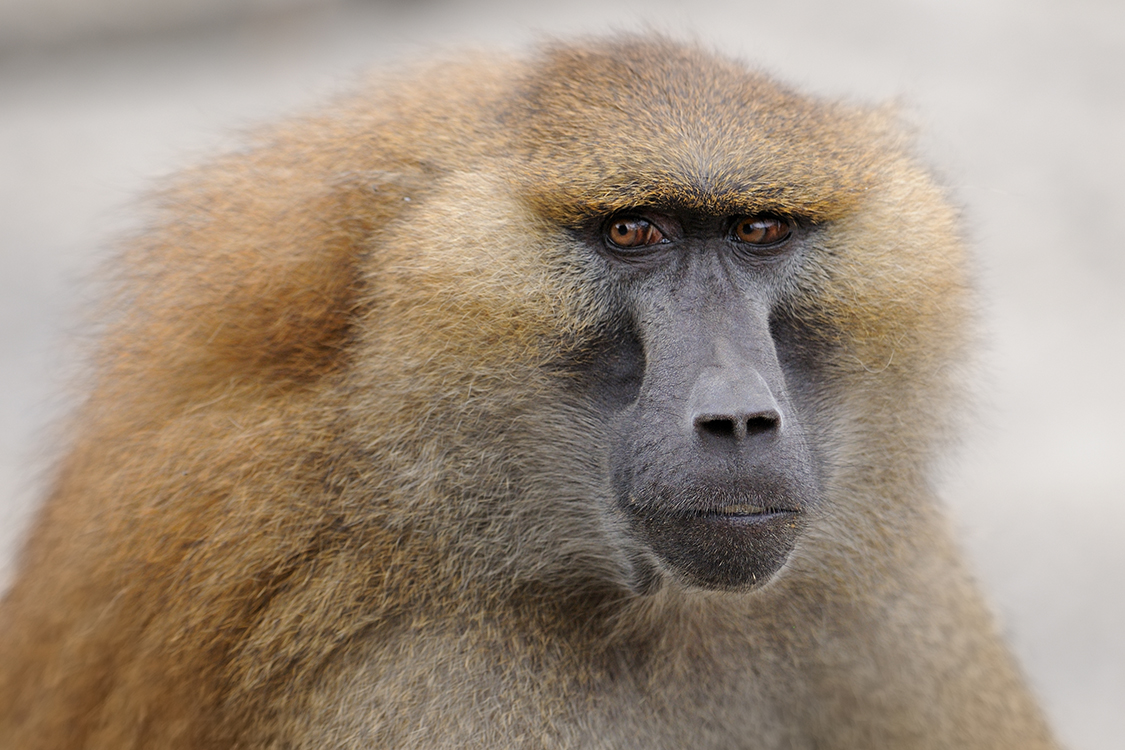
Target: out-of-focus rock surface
[(1021, 107)]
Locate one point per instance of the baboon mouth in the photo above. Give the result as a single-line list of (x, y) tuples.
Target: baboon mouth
[(745, 515), (718, 508), (743, 509)]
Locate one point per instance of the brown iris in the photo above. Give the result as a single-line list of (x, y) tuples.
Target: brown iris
[(761, 230), (631, 231)]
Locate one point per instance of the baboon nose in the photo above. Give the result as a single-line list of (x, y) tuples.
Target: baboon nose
[(733, 405)]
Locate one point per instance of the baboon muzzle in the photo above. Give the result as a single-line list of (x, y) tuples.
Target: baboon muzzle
[(713, 471)]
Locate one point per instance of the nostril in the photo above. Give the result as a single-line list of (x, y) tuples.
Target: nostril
[(762, 423), (719, 427)]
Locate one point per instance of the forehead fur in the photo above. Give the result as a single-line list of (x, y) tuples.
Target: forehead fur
[(643, 122)]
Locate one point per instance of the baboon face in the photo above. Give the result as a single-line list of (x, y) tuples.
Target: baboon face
[(703, 195), (712, 255)]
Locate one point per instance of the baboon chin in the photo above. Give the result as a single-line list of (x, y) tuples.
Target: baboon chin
[(584, 398)]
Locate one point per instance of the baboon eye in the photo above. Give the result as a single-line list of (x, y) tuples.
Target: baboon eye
[(632, 231), (761, 230)]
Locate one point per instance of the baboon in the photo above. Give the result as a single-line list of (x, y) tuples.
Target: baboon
[(585, 398)]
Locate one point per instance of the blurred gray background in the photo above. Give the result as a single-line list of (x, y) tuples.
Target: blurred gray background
[(1021, 108)]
